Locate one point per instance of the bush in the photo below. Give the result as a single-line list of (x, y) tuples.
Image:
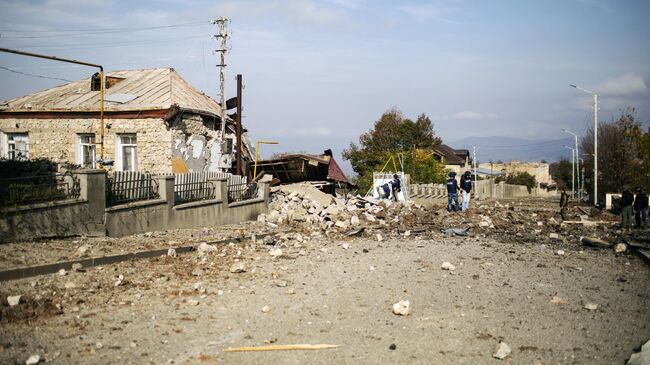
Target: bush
[(522, 178)]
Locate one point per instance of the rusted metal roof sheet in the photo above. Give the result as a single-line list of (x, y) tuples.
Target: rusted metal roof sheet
[(159, 88)]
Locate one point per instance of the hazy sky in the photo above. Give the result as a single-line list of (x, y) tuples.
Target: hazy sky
[(319, 73)]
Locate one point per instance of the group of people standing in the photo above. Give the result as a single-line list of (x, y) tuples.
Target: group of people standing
[(637, 203), (453, 188)]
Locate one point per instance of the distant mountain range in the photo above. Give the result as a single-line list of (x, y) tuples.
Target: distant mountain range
[(509, 148)]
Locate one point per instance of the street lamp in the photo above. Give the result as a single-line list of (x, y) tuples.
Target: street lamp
[(595, 140), (573, 168), (257, 154), (577, 153)]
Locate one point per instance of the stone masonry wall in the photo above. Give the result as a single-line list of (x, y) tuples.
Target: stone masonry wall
[(56, 139)]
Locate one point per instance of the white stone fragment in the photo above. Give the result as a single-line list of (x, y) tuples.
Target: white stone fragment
[(13, 300), (402, 308), (448, 266), (501, 351)]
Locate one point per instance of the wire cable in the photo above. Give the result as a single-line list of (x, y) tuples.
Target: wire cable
[(34, 75), (82, 32)]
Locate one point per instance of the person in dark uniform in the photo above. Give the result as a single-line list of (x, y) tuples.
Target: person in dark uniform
[(626, 208), (564, 201), (396, 186), (466, 188), (452, 191), (640, 208)]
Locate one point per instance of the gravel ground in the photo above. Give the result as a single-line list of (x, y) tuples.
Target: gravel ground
[(339, 290)]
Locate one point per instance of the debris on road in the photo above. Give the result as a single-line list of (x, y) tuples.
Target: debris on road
[(595, 242), (280, 348), (402, 308), (591, 306), (13, 300), (501, 351), (237, 268), (448, 266)]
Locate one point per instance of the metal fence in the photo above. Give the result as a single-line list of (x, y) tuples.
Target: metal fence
[(38, 189), (241, 191), (192, 186), (129, 186)]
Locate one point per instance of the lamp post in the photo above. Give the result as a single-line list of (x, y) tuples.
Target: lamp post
[(577, 153), (257, 154), (581, 185), (573, 169), (595, 140)]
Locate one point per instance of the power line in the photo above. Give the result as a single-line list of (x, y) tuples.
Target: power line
[(70, 33), (65, 47), (539, 144), (34, 75)]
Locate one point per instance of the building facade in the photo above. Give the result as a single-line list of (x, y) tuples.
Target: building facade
[(152, 117)]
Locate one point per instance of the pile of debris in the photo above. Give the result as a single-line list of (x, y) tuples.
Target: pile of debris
[(301, 205)]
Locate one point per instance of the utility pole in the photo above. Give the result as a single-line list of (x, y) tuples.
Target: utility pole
[(573, 171), (223, 36), (595, 149), (239, 103), (595, 197), (475, 163)]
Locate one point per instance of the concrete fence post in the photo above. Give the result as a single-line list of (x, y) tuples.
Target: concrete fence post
[(220, 185), (166, 188), (92, 184)]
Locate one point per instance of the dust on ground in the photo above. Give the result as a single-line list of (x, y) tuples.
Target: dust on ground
[(515, 281)]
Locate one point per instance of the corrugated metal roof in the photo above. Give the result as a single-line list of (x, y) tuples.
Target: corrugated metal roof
[(158, 88)]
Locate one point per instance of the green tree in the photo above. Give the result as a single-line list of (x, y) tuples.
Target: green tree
[(392, 134), (623, 155), (561, 172), (522, 178)]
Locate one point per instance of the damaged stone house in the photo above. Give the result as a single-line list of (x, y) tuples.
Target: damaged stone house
[(152, 118)]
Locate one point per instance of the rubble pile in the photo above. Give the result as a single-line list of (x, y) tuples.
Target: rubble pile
[(302, 206)]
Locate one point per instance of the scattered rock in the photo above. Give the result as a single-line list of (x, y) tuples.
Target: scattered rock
[(560, 252), (591, 306), (77, 267), (392, 346), (171, 252), (501, 351), (70, 285), (197, 271), (354, 220), (192, 302), (345, 246), (448, 266), (34, 359), (276, 252), (83, 250), (266, 309), (13, 300), (559, 300), (379, 237), (620, 247), (237, 268), (205, 248), (62, 272), (120, 280), (269, 240), (402, 308), (554, 236)]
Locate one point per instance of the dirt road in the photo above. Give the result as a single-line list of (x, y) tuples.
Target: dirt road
[(188, 309)]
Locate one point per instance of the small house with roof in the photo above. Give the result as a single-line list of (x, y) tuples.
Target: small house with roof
[(151, 118)]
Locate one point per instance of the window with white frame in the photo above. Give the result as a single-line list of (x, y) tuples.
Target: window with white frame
[(86, 150), (16, 146), (126, 152)]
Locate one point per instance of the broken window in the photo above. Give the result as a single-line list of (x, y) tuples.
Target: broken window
[(86, 150)]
